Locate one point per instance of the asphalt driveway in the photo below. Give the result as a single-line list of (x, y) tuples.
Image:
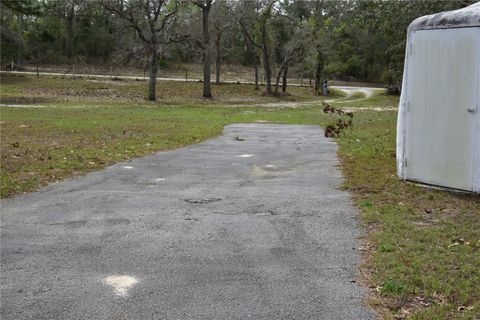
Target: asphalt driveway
[(250, 225)]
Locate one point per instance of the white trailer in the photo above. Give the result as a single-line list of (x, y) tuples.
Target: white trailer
[(438, 128)]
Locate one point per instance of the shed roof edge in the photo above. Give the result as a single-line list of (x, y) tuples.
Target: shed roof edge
[(461, 18)]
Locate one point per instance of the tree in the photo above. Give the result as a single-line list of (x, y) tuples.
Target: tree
[(260, 38), (317, 24), (246, 13), (67, 10), (150, 19), (358, 40), (220, 25), (292, 51), (389, 21), (28, 7), (69, 16), (205, 6), (290, 35), (264, 44), (21, 8), (96, 34)]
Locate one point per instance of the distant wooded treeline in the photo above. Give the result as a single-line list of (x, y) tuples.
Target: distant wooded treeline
[(362, 40)]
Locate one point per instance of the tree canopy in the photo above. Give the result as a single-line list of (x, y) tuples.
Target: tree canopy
[(359, 40)]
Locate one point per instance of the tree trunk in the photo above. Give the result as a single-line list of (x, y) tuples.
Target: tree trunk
[(277, 79), (246, 51), (282, 73), (207, 92), (69, 43), (318, 73), (266, 57), (284, 83), (152, 86), (255, 65), (218, 60), (268, 69), (21, 43), (265, 47)]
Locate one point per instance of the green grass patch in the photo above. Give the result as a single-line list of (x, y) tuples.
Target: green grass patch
[(55, 90)]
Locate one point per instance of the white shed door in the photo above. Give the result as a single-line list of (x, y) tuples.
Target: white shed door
[(442, 85)]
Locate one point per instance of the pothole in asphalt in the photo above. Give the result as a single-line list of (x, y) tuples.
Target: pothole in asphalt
[(120, 284), (202, 200), (268, 171)]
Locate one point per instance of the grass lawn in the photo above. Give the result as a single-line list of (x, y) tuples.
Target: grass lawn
[(421, 248), (48, 90)]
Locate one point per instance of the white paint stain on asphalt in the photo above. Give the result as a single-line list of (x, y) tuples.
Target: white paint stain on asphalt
[(245, 156), (127, 167), (160, 179), (120, 284)]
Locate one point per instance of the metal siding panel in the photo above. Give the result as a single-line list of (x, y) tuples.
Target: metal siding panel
[(476, 147), (401, 117), (441, 85)]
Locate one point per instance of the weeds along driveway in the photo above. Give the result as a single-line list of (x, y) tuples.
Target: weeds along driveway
[(248, 225)]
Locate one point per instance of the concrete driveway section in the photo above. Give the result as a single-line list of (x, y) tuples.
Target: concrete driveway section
[(250, 225)]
